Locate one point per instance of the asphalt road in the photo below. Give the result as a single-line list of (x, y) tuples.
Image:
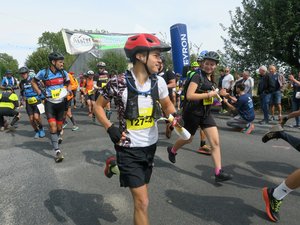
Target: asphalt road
[(37, 191)]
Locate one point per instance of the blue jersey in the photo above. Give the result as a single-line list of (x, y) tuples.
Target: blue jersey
[(54, 82), (8, 82), (26, 89), (245, 108)]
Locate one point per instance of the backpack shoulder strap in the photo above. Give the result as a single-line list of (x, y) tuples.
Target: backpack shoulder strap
[(154, 87), (46, 73)]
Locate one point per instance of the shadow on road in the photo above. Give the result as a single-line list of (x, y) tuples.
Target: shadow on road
[(38, 147), (98, 157), (221, 210), (81, 208)]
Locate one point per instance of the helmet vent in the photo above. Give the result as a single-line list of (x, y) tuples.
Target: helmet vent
[(149, 40)]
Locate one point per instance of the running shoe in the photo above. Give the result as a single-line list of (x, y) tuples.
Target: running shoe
[(42, 133), (205, 149), (65, 125), (272, 118), (75, 128), (58, 156), (172, 156), (249, 128), (111, 167), (272, 204), (274, 132), (37, 135), (223, 111), (222, 176), (263, 122), (2, 129)]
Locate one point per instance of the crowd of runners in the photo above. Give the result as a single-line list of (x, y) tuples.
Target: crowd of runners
[(146, 93)]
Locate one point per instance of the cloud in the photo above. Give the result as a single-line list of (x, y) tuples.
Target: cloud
[(23, 26)]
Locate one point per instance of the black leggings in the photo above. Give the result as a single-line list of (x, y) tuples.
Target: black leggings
[(6, 112), (293, 141)]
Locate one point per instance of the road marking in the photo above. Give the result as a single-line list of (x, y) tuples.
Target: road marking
[(280, 146)]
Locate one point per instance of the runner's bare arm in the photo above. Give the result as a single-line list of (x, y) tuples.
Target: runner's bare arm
[(100, 112), (167, 106)]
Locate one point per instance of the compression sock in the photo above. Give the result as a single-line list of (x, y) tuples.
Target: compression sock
[(54, 140), (281, 191), (72, 120)]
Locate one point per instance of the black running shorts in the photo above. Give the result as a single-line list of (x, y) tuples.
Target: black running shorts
[(90, 97), (135, 165), (55, 111), (192, 122), (32, 109)]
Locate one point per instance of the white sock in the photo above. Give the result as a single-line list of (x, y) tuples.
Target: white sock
[(281, 191)]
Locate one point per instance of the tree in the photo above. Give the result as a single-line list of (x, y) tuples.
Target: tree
[(114, 61), (52, 41), (264, 31), (49, 42), (7, 62), (38, 59)]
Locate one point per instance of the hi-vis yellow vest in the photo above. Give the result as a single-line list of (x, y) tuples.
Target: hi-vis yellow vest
[(7, 100)]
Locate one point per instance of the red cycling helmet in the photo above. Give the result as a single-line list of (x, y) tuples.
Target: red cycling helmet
[(144, 42)]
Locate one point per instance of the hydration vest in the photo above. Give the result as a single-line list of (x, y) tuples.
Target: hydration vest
[(132, 108), (54, 81), (186, 85), (27, 87)]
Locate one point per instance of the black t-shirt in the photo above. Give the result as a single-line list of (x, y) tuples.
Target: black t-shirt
[(168, 75), (204, 86)]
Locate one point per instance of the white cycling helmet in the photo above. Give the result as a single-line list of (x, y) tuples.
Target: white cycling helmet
[(101, 64), (90, 72)]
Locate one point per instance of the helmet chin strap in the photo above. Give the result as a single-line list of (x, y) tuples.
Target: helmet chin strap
[(145, 64), (54, 66)]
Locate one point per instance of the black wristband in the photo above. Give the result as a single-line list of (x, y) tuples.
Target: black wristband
[(114, 134)]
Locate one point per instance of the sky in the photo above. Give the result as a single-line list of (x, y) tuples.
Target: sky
[(23, 22)]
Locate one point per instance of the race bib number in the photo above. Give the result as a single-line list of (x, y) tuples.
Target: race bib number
[(55, 93), (208, 101), (145, 120), (32, 100)]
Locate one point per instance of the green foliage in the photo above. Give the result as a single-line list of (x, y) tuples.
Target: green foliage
[(115, 61), (38, 59), (49, 42), (193, 58), (264, 32), (52, 41), (169, 61), (7, 62)]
